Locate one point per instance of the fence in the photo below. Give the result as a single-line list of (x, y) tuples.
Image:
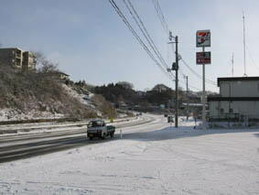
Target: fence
[(229, 120)]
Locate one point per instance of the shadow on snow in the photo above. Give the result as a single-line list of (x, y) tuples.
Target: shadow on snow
[(183, 132)]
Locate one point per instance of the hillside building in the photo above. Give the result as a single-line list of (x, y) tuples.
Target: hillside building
[(29, 61), (17, 58)]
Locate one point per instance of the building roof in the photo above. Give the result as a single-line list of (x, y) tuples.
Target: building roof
[(237, 79), (62, 73), (10, 48)]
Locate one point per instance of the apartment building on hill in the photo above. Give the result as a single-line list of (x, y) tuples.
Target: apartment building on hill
[(18, 59), (29, 61)]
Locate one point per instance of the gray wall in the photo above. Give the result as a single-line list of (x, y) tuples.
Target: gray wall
[(239, 89), (248, 108)]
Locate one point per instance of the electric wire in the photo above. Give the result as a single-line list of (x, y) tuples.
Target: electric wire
[(137, 37), (208, 81), (164, 24), (166, 29), (147, 36), (161, 16), (144, 31), (190, 85)]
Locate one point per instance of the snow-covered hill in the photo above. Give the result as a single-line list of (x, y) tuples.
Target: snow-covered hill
[(38, 95)]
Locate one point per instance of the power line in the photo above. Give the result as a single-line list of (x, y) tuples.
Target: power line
[(160, 15), (190, 86), (166, 29), (137, 37), (197, 74), (144, 31)]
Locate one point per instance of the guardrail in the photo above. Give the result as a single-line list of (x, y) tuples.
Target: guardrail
[(38, 121), (48, 125)]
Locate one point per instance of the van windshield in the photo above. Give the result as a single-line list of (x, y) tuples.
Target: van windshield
[(96, 124)]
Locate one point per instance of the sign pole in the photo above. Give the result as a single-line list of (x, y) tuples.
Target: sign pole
[(203, 95), (203, 40)]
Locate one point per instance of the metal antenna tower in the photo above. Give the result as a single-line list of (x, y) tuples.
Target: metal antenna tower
[(232, 62), (244, 42)]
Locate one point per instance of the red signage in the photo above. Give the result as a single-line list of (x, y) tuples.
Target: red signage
[(203, 58)]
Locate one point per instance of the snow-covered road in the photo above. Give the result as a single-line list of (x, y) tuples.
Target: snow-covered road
[(38, 139), (150, 159)]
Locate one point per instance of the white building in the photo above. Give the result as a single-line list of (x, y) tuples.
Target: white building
[(238, 100)]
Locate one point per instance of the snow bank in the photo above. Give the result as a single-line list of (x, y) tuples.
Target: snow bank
[(8, 114)]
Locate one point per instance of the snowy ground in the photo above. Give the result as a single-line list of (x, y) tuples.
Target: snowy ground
[(149, 159)]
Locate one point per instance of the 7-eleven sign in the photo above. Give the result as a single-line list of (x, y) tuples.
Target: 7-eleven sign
[(203, 38)]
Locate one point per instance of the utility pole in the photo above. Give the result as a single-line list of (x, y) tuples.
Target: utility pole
[(187, 92), (176, 81), (175, 67)]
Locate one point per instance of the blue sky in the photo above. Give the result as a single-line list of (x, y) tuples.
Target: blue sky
[(89, 41)]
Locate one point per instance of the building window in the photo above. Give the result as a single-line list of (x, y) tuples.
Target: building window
[(258, 87), (221, 110)]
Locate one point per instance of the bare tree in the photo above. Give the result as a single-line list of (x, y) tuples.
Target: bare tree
[(44, 65)]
